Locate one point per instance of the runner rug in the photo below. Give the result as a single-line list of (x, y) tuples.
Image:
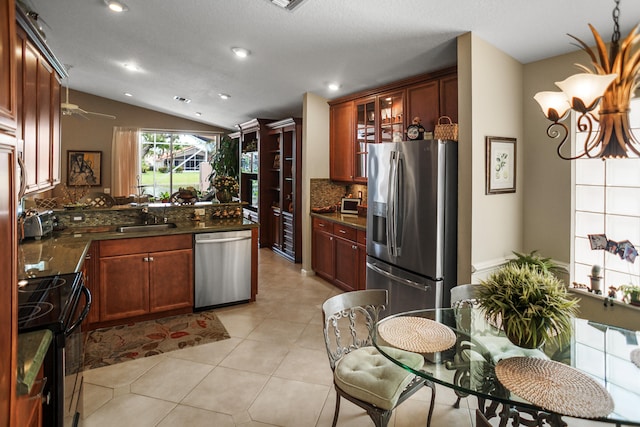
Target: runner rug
[(121, 343)]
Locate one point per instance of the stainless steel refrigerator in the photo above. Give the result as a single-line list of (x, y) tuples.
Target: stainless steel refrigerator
[(412, 222)]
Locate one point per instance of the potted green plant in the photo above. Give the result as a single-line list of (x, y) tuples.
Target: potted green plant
[(225, 161), (532, 305), (631, 294), (535, 260)]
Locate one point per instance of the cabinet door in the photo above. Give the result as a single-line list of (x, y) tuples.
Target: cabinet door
[(124, 286), (322, 257), (29, 98), (45, 140), (29, 406), (362, 266), (423, 101), (91, 273), (276, 228), (391, 116), (365, 133), (449, 97), (341, 142), (346, 263), (7, 65), (8, 317), (54, 175), (170, 280)]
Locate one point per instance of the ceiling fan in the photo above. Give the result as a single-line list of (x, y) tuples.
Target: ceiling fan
[(69, 109)]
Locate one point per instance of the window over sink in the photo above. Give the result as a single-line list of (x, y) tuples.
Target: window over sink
[(170, 160)]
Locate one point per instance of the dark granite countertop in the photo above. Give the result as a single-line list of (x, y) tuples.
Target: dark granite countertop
[(32, 347), (355, 221), (64, 252)]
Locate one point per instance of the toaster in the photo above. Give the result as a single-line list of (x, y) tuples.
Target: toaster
[(38, 224)]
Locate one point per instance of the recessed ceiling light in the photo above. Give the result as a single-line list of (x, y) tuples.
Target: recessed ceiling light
[(182, 99), (287, 4), (198, 113), (131, 67), (333, 86), (241, 52), (224, 96), (116, 6), (128, 94)]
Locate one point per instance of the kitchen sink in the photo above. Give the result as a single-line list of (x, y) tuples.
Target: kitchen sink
[(137, 228)]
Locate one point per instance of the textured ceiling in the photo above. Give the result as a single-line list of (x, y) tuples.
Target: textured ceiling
[(183, 47)]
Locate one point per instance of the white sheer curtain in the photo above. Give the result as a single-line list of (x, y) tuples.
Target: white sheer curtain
[(125, 165)]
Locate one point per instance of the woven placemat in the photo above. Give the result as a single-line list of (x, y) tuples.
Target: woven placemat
[(555, 387), (635, 357), (417, 334)]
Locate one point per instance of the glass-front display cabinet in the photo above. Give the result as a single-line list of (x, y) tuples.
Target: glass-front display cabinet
[(390, 110), (365, 132)]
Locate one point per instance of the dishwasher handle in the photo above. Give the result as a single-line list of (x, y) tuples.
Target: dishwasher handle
[(224, 240)]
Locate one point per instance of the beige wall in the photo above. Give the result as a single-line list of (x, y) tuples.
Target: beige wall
[(490, 99), (96, 133), (315, 160), (547, 213)]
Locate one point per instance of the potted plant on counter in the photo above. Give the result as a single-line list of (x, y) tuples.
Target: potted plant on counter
[(226, 188), (532, 305), (631, 294)]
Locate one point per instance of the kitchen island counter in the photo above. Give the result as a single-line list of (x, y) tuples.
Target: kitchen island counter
[(65, 251)]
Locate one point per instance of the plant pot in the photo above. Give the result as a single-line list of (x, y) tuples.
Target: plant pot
[(224, 196), (528, 344)]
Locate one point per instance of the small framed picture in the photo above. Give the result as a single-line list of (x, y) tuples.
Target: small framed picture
[(84, 168), (500, 165)]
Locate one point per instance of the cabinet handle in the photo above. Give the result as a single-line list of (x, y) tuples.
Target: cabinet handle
[(354, 247), (320, 224), (331, 238), (147, 259), (343, 231), (150, 258), (88, 256)]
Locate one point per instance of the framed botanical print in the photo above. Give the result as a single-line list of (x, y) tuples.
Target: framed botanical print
[(84, 168), (500, 165)]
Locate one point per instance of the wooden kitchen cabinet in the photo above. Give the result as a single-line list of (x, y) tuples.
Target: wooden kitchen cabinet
[(341, 141), (283, 149), (29, 406), (382, 115), (7, 65), (38, 75), (136, 281), (91, 276), (323, 249), (339, 254)]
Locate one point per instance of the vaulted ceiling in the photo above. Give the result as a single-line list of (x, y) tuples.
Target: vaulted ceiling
[(183, 47)]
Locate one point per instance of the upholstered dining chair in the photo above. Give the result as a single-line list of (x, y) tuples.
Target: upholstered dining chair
[(360, 373)]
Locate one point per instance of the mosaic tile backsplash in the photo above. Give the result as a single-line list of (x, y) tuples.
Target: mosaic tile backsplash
[(324, 192)]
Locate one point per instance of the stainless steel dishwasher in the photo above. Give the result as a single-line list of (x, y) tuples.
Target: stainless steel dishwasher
[(222, 268)]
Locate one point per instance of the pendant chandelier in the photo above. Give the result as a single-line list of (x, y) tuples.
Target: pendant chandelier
[(609, 85)]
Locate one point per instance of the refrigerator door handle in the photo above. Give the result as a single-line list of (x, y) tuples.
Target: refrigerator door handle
[(402, 280), (392, 203)]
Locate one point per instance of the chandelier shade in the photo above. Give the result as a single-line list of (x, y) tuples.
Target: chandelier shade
[(600, 96)]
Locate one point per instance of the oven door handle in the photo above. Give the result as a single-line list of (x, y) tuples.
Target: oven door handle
[(82, 315)]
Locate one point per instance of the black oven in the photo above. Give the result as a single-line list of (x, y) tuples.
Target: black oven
[(59, 303)]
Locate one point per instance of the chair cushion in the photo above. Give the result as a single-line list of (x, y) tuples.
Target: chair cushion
[(369, 376)]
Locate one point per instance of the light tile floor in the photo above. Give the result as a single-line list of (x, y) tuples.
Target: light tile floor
[(273, 371)]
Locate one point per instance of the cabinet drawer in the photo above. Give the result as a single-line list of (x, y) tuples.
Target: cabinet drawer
[(344, 231), (362, 237), (144, 245), (323, 224)]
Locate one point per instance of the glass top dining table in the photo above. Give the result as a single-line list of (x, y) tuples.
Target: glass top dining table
[(594, 374)]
